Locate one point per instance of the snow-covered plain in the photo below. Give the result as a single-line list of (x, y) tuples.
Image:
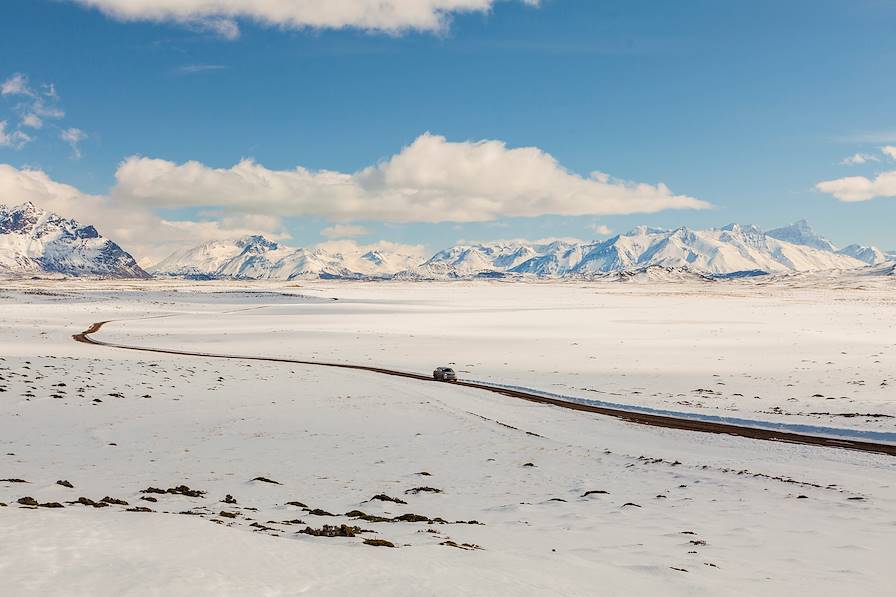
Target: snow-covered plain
[(683, 513)]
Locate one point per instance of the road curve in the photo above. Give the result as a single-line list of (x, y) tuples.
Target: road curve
[(654, 420)]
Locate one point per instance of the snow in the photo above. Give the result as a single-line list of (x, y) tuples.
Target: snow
[(332, 439)]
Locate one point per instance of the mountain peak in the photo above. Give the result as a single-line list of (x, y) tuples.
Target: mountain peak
[(34, 240), (256, 240), (801, 233)]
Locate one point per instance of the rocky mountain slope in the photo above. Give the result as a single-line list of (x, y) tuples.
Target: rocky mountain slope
[(34, 241)]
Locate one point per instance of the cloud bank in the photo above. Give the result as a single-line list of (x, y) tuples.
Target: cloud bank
[(431, 180), (222, 16), (140, 231), (852, 189), (860, 188)]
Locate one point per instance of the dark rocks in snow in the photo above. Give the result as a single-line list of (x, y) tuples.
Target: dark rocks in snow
[(266, 480), (417, 490), (382, 497)]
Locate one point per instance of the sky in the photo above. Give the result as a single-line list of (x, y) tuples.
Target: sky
[(428, 122)]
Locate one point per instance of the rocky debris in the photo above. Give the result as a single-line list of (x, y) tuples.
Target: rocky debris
[(465, 546), (412, 518), (358, 514), (149, 499), (630, 504), (529, 464), (51, 505), (424, 474), (257, 526), (229, 499), (318, 512), (13, 481), (89, 502), (225, 514), (378, 543), (333, 531), (296, 504), (595, 492), (65, 484), (367, 517), (677, 569), (179, 490), (416, 490), (115, 501), (139, 509), (385, 498), (266, 480), (27, 501)]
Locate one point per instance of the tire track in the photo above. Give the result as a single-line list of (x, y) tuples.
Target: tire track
[(653, 420)]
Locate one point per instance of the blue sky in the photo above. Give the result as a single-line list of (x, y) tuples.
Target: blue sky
[(746, 105)]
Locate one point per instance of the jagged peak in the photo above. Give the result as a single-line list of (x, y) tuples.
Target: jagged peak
[(256, 240)]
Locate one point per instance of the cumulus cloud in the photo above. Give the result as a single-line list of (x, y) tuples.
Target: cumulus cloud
[(222, 16), (146, 236), (859, 158), (343, 231), (889, 151), (431, 180), (860, 188)]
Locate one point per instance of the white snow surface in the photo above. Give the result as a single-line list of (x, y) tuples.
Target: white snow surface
[(714, 515)]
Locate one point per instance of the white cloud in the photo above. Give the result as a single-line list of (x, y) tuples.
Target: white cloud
[(859, 158), (352, 247), (32, 106), (601, 229), (889, 151), (221, 16), (191, 69), (431, 180), (73, 137), (860, 188), (14, 139), (343, 231), (17, 84), (32, 121), (138, 230)]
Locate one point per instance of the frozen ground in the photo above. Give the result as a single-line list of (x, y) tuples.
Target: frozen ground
[(683, 513)]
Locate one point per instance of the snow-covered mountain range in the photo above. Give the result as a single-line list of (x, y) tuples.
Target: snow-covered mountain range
[(256, 258), (34, 242), (729, 251)]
